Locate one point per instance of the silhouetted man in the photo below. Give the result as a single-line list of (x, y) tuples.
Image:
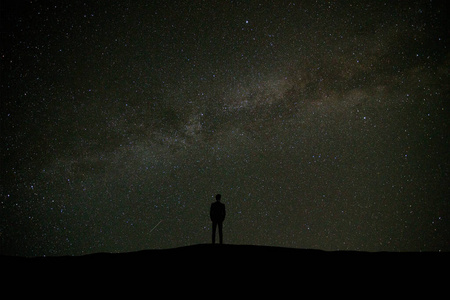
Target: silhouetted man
[(217, 214)]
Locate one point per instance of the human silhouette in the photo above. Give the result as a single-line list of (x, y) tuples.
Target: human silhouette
[(217, 214)]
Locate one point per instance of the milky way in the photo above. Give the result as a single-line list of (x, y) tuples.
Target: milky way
[(323, 125)]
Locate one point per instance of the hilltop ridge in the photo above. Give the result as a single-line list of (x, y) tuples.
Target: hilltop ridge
[(233, 264)]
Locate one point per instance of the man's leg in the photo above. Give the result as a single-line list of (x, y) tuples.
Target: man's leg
[(220, 232), (214, 225)]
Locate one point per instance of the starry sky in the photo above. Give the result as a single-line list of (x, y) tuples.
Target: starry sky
[(323, 124)]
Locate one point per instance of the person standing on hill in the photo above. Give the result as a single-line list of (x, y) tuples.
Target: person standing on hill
[(217, 215)]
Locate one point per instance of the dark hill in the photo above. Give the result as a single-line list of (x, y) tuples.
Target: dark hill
[(233, 257), (225, 269), (234, 264)]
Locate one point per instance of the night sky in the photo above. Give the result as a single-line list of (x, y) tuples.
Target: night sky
[(322, 124)]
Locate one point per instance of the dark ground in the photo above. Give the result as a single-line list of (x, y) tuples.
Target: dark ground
[(226, 270), (221, 258)]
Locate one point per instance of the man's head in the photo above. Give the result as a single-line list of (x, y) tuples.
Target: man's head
[(218, 196)]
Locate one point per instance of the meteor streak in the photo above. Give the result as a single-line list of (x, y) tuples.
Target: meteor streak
[(155, 226)]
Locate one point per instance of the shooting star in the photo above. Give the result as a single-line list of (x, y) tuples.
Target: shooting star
[(155, 226)]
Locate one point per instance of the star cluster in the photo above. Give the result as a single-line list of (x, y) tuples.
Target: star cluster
[(323, 125)]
